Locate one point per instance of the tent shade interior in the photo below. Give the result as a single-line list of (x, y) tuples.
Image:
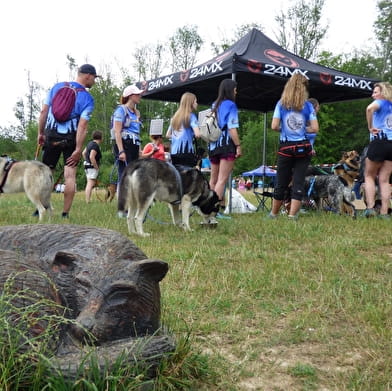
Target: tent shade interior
[(261, 68)]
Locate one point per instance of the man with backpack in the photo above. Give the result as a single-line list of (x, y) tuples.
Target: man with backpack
[(62, 126)]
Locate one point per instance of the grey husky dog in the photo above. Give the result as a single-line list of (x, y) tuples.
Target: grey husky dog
[(146, 180), (29, 176)]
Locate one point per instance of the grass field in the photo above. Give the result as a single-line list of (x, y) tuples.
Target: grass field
[(267, 304)]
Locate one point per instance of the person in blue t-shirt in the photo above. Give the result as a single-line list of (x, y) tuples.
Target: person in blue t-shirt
[(183, 129), (378, 163), (293, 117), (67, 137), (127, 124), (224, 151)]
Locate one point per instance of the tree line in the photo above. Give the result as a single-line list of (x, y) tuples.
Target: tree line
[(300, 30)]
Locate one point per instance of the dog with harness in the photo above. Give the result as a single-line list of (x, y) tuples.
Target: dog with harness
[(146, 180), (348, 167), (29, 176)]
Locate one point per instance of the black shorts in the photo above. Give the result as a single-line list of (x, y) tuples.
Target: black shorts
[(184, 159), (131, 149), (55, 146), (380, 150)]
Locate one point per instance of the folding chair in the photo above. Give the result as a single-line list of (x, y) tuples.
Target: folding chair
[(262, 199)]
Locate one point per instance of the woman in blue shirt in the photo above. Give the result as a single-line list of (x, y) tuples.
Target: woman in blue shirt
[(127, 124), (379, 154), (183, 128), (227, 148), (293, 117)]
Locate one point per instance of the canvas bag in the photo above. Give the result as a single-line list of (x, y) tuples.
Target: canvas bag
[(63, 102), (209, 128)]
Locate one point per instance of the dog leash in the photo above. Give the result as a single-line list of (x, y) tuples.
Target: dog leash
[(37, 151), (310, 191), (111, 175)]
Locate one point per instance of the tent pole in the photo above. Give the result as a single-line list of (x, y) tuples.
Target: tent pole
[(264, 148)]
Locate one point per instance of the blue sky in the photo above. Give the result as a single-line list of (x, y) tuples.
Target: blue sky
[(37, 35)]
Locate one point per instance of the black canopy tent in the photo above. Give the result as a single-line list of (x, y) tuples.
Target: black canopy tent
[(261, 68)]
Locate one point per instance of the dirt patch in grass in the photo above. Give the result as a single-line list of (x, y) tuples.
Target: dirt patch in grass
[(271, 368)]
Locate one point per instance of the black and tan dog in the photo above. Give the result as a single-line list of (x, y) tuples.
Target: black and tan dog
[(111, 190), (348, 167)]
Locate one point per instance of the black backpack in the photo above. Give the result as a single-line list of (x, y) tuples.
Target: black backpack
[(63, 102)]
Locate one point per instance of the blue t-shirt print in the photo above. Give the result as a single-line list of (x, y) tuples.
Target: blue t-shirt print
[(84, 107), (182, 140), (293, 123)]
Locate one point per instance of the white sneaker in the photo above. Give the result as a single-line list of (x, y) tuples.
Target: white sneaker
[(212, 220)]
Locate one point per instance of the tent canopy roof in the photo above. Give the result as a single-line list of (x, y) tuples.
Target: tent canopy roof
[(260, 171), (261, 69)]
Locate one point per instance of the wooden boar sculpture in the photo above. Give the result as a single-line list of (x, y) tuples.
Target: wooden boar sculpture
[(107, 285)]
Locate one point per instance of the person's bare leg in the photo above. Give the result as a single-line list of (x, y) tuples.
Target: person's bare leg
[(384, 186), (371, 172), (70, 187), (89, 188), (276, 205), (214, 175), (225, 168), (295, 206)]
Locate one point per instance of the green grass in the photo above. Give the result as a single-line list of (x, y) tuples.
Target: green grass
[(260, 304)]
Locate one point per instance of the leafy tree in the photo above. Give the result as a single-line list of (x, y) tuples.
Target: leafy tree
[(239, 32), (106, 97), (300, 28), (252, 139), (149, 61), (33, 106), (383, 29), (72, 66), (359, 62), (184, 46), (19, 110)]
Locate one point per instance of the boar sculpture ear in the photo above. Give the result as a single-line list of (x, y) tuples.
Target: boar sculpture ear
[(154, 268), (63, 261)]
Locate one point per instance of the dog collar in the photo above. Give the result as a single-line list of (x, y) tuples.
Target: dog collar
[(7, 167)]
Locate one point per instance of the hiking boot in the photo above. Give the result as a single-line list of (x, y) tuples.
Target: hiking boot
[(370, 213)]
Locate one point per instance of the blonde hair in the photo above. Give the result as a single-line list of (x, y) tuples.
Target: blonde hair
[(385, 89), (295, 92), (182, 116)]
